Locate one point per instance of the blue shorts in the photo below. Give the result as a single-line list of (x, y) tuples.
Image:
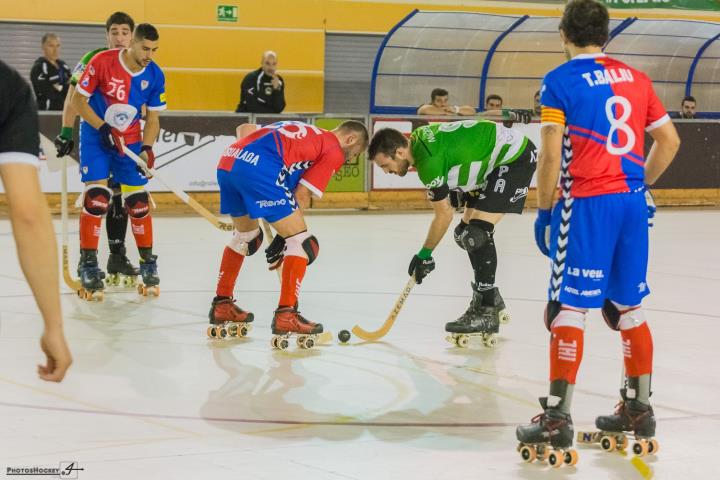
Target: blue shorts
[(97, 162), (600, 251), (258, 185)]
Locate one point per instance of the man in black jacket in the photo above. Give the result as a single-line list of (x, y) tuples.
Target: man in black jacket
[(263, 90), (50, 76)]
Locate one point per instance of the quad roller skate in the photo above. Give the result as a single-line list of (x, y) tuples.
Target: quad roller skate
[(549, 437), (288, 322), (228, 320), (478, 321), (150, 280), (120, 272), (91, 277), (496, 300), (631, 419)]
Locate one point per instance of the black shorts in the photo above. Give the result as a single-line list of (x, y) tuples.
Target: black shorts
[(507, 186)]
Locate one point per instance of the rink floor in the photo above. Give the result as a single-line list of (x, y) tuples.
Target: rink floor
[(149, 396)]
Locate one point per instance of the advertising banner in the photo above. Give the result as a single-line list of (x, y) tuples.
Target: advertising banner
[(684, 4)]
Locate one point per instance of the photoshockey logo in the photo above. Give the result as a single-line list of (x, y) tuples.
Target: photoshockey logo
[(270, 203)]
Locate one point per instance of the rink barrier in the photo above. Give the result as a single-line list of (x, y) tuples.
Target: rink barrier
[(189, 145)]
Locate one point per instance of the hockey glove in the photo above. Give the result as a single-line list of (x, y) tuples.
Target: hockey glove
[(275, 252), (146, 154), (523, 116), (650, 200), (459, 233), (420, 267), (111, 138), (542, 225), (64, 142)]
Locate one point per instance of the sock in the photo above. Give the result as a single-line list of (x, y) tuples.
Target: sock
[(566, 345), (484, 262), (292, 276), (142, 229), (229, 270), (637, 350), (116, 224), (89, 231)]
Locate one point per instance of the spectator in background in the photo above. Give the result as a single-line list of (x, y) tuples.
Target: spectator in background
[(537, 107), (263, 90), (687, 107), (439, 105), (493, 102), (50, 76)]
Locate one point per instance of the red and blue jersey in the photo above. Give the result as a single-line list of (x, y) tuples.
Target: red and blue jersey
[(111, 85), (606, 107), (302, 147)]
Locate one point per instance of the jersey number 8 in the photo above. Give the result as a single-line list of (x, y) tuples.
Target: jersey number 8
[(619, 124)]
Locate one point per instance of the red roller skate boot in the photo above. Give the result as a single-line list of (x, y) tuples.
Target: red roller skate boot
[(227, 319), (287, 322)]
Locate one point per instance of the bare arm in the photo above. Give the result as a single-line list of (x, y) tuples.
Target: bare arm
[(303, 196), (81, 106), (548, 168), (37, 251), (443, 217), (152, 127), (69, 113), (466, 110), (245, 129), (662, 152), (428, 109)]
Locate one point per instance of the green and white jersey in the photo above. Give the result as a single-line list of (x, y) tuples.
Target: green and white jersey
[(461, 155), (80, 67)]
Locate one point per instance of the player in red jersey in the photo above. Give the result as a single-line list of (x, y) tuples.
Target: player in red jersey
[(269, 174), (595, 112)]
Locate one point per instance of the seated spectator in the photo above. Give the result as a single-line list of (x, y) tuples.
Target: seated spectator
[(537, 108), (687, 108), (263, 90), (50, 76), (439, 105), (493, 102)]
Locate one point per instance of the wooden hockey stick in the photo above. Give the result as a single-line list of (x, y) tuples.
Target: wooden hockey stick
[(191, 202), (385, 328), (69, 280)]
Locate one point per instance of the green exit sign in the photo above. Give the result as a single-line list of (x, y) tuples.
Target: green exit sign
[(227, 13)]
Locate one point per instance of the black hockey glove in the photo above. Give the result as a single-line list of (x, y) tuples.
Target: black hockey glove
[(522, 116), (64, 143), (275, 252), (419, 268)]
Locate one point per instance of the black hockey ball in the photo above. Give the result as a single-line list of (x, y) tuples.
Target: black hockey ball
[(344, 336)]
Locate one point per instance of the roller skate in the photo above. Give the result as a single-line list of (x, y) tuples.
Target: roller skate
[(493, 298), (91, 277), (549, 437), (631, 419), (119, 269), (288, 322), (478, 321), (228, 320), (150, 280)]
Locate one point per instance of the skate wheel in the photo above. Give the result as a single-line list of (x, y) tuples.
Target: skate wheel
[(622, 443), (528, 453), (309, 343), (233, 330), (273, 342), (571, 457), (211, 332), (608, 443), (128, 281), (141, 290), (221, 332), (640, 448), (504, 317), (463, 341), (490, 341), (243, 331), (283, 344), (300, 341), (653, 447), (555, 460)]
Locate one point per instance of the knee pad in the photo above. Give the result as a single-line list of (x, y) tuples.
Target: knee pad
[(476, 235), (557, 315), (246, 243), (303, 245), (96, 199), (622, 317), (137, 203)]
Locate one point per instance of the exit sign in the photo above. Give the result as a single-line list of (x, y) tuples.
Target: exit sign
[(227, 13)]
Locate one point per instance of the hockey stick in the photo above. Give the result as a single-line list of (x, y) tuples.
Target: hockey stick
[(269, 236), (385, 328), (69, 280), (191, 202)]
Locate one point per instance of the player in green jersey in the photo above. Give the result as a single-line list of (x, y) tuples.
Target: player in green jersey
[(488, 167), (119, 28)]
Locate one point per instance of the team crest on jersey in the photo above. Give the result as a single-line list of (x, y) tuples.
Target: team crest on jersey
[(144, 84), (120, 115), (91, 69), (86, 82)]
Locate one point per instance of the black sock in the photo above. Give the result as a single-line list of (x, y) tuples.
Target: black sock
[(116, 225), (484, 261)]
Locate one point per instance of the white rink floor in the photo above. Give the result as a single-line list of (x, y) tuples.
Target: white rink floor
[(150, 397)]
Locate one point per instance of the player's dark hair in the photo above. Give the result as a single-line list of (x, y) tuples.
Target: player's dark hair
[(688, 98), (493, 96), (386, 141), (356, 127), (119, 18), (585, 23), (438, 92), (145, 31)]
